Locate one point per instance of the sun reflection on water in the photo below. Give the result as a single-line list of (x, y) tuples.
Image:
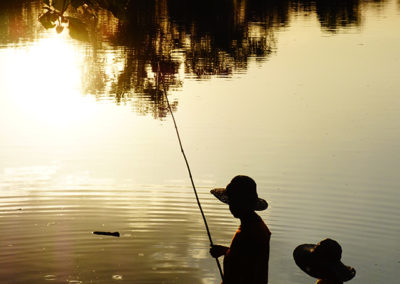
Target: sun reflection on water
[(44, 80)]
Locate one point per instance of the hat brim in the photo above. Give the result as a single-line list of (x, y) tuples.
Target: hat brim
[(221, 195), (317, 268)]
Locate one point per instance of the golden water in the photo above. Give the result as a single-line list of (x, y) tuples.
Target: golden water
[(302, 97)]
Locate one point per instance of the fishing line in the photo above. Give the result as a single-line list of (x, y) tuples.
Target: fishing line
[(187, 165)]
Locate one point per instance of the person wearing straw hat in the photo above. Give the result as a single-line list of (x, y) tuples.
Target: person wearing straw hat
[(246, 260), (323, 261)]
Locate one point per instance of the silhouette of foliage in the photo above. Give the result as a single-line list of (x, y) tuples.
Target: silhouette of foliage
[(199, 39)]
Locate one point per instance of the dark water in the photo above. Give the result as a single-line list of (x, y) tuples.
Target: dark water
[(300, 95)]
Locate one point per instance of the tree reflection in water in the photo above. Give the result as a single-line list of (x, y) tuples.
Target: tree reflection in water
[(199, 39)]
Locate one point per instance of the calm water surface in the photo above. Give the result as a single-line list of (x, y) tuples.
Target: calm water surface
[(301, 95)]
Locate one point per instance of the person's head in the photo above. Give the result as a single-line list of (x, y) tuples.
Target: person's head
[(241, 196), (323, 261)]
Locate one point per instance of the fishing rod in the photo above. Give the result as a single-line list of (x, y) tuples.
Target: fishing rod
[(187, 165)]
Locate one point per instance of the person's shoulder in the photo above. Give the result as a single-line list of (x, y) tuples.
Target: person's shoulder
[(258, 229), (263, 227)]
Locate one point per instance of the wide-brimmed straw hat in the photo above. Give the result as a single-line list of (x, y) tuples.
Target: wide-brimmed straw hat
[(242, 188), (322, 261)]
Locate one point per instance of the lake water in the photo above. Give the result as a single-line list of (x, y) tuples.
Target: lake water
[(303, 96)]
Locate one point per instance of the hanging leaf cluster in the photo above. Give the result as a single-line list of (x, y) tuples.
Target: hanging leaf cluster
[(53, 17)]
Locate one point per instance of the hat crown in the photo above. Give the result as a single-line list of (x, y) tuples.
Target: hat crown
[(328, 249), (242, 187)]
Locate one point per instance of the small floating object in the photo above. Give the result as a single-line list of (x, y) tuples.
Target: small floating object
[(117, 277), (50, 277), (114, 234)]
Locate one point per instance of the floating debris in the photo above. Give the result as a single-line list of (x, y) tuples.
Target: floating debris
[(114, 234), (117, 277), (50, 277)]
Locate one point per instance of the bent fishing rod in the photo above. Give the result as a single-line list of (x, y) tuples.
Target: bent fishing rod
[(187, 164)]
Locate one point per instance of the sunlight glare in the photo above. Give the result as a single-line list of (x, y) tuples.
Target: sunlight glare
[(45, 80)]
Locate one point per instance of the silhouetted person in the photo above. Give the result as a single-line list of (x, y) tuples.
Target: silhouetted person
[(246, 260), (322, 261)]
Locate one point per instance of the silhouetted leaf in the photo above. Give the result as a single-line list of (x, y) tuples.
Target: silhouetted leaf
[(60, 5), (77, 29), (77, 3), (54, 16), (47, 20), (117, 7), (47, 2), (59, 29)]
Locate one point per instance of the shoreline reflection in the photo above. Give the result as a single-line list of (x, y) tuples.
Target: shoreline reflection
[(126, 40)]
